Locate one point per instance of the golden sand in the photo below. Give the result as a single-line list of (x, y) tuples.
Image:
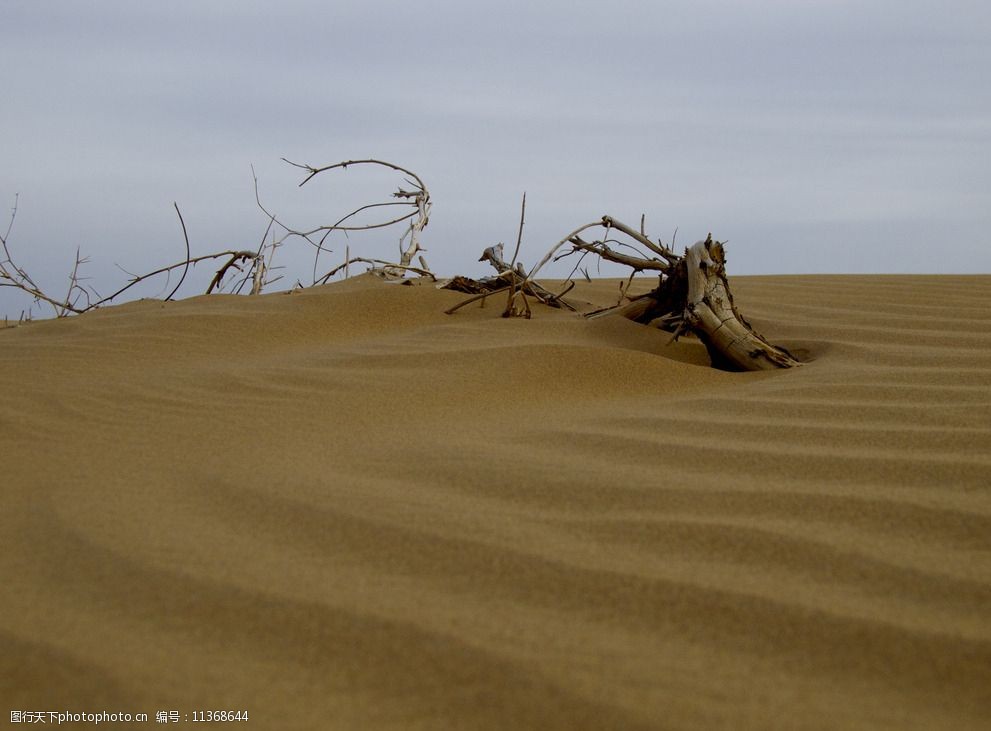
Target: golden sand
[(343, 509)]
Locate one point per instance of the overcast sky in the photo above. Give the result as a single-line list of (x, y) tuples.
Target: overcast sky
[(817, 136)]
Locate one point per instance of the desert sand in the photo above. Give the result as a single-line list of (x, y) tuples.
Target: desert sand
[(344, 509)]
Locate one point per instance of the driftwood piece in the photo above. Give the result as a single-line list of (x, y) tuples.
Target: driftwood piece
[(711, 314)]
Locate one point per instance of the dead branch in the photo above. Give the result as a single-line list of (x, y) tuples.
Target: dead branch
[(185, 236), (515, 291), (511, 277), (418, 199), (313, 171), (602, 250), (379, 266), (255, 266), (235, 258), (12, 275), (234, 255), (658, 248), (475, 298)]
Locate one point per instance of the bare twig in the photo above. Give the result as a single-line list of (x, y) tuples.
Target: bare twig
[(185, 237), (624, 289), (519, 235), (12, 275), (475, 298), (313, 171), (75, 288), (558, 245), (336, 226), (513, 290), (385, 265), (171, 267), (10, 224), (235, 257)]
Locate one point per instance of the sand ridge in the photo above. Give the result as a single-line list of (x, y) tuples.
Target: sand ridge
[(341, 508)]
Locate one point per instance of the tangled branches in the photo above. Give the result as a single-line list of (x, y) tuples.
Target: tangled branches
[(246, 269), (692, 295), (410, 244)]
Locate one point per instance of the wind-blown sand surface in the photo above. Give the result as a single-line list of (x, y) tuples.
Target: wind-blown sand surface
[(343, 509)]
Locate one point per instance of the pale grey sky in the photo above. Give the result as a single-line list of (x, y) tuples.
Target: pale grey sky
[(817, 136)]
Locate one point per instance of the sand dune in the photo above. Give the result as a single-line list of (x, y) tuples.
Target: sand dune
[(342, 508)]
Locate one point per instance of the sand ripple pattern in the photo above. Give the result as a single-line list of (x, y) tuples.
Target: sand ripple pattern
[(342, 509)]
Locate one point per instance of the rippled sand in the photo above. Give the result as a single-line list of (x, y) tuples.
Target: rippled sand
[(343, 509)]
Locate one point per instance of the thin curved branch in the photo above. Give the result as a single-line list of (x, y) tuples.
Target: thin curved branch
[(185, 237), (162, 270), (419, 198), (337, 227), (369, 227), (385, 264), (475, 298), (577, 264), (558, 245), (314, 171), (624, 245)]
